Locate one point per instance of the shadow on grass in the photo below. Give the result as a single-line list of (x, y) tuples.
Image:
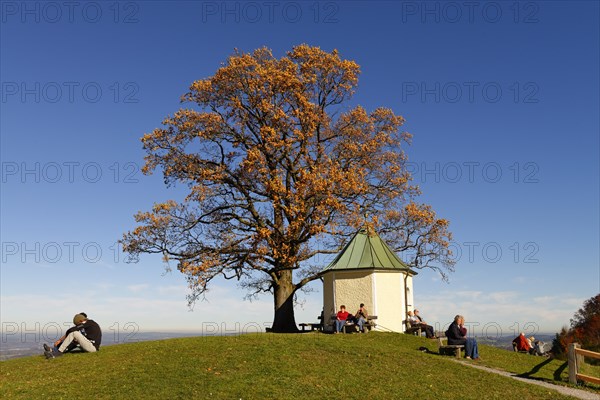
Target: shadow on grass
[(537, 368), (559, 371)]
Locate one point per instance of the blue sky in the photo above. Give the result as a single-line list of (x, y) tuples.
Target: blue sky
[(502, 99)]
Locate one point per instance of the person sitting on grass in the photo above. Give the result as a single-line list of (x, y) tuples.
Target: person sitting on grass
[(86, 333), (521, 343), (341, 318), (73, 344), (457, 335), (538, 347)]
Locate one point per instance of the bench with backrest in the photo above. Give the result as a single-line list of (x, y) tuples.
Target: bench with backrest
[(449, 349), (350, 326), (311, 326), (412, 330), (316, 326)]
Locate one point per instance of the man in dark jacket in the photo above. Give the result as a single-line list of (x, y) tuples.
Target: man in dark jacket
[(86, 333), (457, 335)]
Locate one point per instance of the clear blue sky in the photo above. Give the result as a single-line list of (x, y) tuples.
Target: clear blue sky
[(502, 99)]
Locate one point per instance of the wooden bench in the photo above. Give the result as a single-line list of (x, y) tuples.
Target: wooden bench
[(352, 327), (412, 330), (370, 324), (313, 327), (449, 349)]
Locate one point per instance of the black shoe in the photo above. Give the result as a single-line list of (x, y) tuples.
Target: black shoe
[(48, 352), (51, 353)]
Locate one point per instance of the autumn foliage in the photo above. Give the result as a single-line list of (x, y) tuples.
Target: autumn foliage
[(279, 170), (585, 329)]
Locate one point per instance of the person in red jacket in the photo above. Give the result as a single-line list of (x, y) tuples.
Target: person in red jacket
[(521, 343), (340, 319)]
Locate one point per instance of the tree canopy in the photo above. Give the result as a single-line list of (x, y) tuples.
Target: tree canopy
[(280, 169), (585, 329)]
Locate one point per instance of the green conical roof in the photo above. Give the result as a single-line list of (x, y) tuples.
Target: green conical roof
[(366, 251)]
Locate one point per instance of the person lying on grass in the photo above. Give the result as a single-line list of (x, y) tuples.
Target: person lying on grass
[(86, 333)]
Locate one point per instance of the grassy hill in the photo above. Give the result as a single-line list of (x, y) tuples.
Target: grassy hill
[(270, 366)]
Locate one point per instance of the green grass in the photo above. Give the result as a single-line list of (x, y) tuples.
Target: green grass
[(264, 366), (532, 367)]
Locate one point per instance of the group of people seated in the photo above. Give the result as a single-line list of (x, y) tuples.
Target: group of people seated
[(456, 333), (415, 321), (359, 318), (528, 345)]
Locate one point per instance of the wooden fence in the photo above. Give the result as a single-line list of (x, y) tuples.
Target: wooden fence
[(576, 355)]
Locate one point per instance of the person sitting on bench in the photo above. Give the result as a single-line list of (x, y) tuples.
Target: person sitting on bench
[(417, 323), (361, 317), (412, 321), (457, 335), (341, 318), (420, 323)]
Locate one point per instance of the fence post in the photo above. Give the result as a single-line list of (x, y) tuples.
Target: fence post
[(579, 358), (573, 367)]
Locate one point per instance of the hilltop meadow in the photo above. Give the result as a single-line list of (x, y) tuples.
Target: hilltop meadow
[(278, 366)]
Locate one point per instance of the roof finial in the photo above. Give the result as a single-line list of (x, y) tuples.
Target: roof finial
[(367, 226)]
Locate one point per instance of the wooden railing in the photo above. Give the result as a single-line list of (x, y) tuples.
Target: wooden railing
[(576, 355)]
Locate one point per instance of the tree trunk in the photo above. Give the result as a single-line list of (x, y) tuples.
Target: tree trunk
[(284, 321)]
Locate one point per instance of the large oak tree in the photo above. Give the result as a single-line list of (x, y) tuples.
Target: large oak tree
[(280, 169)]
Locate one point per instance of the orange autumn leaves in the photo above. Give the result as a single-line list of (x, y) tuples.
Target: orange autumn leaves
[(273, 159)]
